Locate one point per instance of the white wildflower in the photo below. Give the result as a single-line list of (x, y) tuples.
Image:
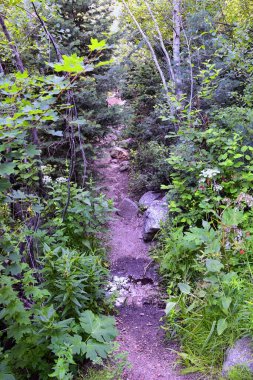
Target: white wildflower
[(217, 187), (47, 179), (227, 245), (245, 198), (61, 180), (209, 173)]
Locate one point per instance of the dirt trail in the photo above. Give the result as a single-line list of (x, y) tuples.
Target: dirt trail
[(140, 307)]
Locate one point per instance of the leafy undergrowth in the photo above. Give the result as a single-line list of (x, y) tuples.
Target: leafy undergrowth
[(112, 369), (52, 317), (205, 251)]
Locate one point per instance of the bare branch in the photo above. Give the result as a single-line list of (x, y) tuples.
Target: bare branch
[(168, 59), (18, 60), (153, 54)]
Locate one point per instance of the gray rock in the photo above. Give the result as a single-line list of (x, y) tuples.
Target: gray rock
[(124, 166), (240, 354), (127, 209), (148, 198), (153, 217), (119, 153)]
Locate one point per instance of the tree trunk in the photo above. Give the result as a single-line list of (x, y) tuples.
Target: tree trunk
[(18, 60), (176, 46), (152, 51), (1, 68), (165, 52)]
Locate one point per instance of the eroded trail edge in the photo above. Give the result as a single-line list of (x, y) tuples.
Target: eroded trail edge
[(133, 274)]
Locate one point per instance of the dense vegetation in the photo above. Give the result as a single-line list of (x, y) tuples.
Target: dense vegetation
[(54, 314), (189, 84), (185, 69)]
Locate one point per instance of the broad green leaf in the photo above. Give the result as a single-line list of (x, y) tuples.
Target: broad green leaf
[(79, 347), (20, 75), (31, 151), (232, 217), (169, 306), (226, 302), (97, 45), (70, 64), (184, 288), (244, 149), (221, 326), (213, 265), (101, 328), (4, 184), (96, 350), (7, 168)]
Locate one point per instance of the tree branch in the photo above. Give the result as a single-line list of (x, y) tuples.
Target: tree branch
[(18, 59), (153, 54)]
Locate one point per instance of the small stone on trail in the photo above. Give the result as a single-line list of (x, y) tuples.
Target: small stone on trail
[(124, 166), (127, 209)]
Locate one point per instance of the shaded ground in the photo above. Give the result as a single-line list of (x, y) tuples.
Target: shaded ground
[(141, 309)]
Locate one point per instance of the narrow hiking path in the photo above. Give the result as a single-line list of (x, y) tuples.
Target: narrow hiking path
[(134, 276)]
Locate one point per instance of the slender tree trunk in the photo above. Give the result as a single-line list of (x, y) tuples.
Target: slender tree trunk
[(153, 54), (57, 50), (165, 52), (18, 60), (1, 68), (188, 44), (176, 46)]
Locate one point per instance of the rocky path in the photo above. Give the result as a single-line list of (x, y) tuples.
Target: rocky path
[(134, 277)]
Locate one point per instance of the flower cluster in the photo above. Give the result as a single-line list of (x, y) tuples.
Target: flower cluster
[(47, 179), (217, 187), (208, 173), (61, 180), (244, 198)]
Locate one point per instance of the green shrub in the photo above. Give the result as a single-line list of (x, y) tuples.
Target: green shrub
[(149, 167), (75, 281), (239, 373), (209, 276), (51, 319)]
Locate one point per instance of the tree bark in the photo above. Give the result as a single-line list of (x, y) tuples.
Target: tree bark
[(176, 46), (18, 60), (1, 68)]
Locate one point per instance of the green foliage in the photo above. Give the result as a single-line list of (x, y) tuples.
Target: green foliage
[(72, 283), (149, 169), (75, 281), (53, 270), (112, 369), (238, 373), (87, 213)]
